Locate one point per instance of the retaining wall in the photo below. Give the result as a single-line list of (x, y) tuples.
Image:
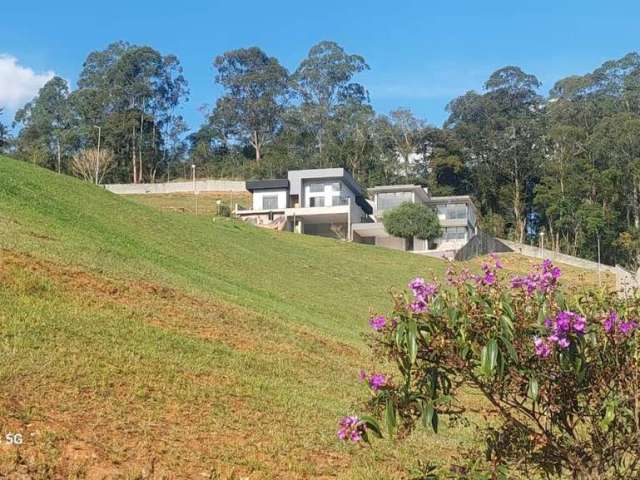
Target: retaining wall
[(176, 187)]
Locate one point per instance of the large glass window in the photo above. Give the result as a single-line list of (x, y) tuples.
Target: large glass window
[(389, 200), (316, 202), (316, 187), (455, 233), (456, 211), (269, 202)]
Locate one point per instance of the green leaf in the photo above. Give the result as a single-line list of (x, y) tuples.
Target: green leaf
[(489, 357), (390, 417), (609, 416), (429, 416), (412, 341), (372, 425), (534, 389)]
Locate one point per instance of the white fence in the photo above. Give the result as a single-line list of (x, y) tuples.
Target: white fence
[(176, 187)]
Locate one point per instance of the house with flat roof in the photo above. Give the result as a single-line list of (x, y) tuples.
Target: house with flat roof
[(458, 217), (330, 203), (324, 201)]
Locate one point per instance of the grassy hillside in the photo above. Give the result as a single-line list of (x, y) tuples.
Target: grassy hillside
[(141, 343), (135, 340)]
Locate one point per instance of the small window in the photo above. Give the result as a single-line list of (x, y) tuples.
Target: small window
[(316, 202), (316, 187), (270, 202), (336, 186)]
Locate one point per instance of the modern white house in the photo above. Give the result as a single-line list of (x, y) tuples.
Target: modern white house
[(323, 202), (329, 202), (458, 217)]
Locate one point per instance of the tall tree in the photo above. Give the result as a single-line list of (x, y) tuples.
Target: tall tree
[(46, 121), (324, 82), (256, 91), (502, 131), (130, 92)]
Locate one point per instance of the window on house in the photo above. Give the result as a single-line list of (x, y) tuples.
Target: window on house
[(316, 187), (442, 211), (389, 200), (316, 202), (455, 233), (457, 211), (336, 186), (270, 202)]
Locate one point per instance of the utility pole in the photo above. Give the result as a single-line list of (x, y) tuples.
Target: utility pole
[(98, 159)]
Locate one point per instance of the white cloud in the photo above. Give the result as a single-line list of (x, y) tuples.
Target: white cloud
[(18, 84)]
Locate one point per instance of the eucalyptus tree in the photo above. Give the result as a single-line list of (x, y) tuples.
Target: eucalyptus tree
[(323, 80), (45, 136), (256, 90), (130, 92), (502, 131)]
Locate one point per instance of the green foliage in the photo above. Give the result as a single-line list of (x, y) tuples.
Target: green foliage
[(256, 88), (560, 371), (410, 220), (131, 93)]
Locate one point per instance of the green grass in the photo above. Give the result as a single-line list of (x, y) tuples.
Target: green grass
[(136, 340), (186, 202), (134, 337)]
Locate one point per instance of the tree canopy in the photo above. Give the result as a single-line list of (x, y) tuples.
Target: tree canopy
[(409, 220), (564, 163)]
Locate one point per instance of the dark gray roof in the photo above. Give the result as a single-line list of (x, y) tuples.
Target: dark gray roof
[(252, 185)]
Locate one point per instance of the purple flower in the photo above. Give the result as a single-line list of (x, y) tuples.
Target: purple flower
[(378, 323), (564, 342), (579, 324), (544, 279), (422, 290), (362, 375), (497, 261), (377, 381), (627, 327), (489, 278), (419, 306), (351, 428), (543, 349), (610, 322)]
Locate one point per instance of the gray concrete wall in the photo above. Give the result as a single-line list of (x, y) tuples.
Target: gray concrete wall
[(536, 252), (176, 187), (481, 244)]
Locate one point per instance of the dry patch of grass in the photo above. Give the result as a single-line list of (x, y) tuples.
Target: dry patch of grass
[(135, 380)]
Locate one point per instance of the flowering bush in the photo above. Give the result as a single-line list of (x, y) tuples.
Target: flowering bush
[(559, 372)]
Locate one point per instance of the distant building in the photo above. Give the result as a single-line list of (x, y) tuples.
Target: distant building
[(323, 202), (458, 217), (330, 203)]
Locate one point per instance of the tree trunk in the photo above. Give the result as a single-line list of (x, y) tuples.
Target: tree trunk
[(133, 154), (256, 146), (140, 147), (59, 157), (636, 210)]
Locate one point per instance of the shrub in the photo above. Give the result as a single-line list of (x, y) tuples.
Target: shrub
[(410, 220), (559, 370)]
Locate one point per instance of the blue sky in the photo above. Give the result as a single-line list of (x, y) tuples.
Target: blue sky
[(421, 53)]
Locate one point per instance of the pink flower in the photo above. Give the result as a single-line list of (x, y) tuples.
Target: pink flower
[(377, 381), (419, 306), (378, 323), (351, 428), (627, 327), (542, 347)]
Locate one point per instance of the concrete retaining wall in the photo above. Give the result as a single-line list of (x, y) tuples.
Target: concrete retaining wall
[(536, 252), (176, 187), (481, 244)]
